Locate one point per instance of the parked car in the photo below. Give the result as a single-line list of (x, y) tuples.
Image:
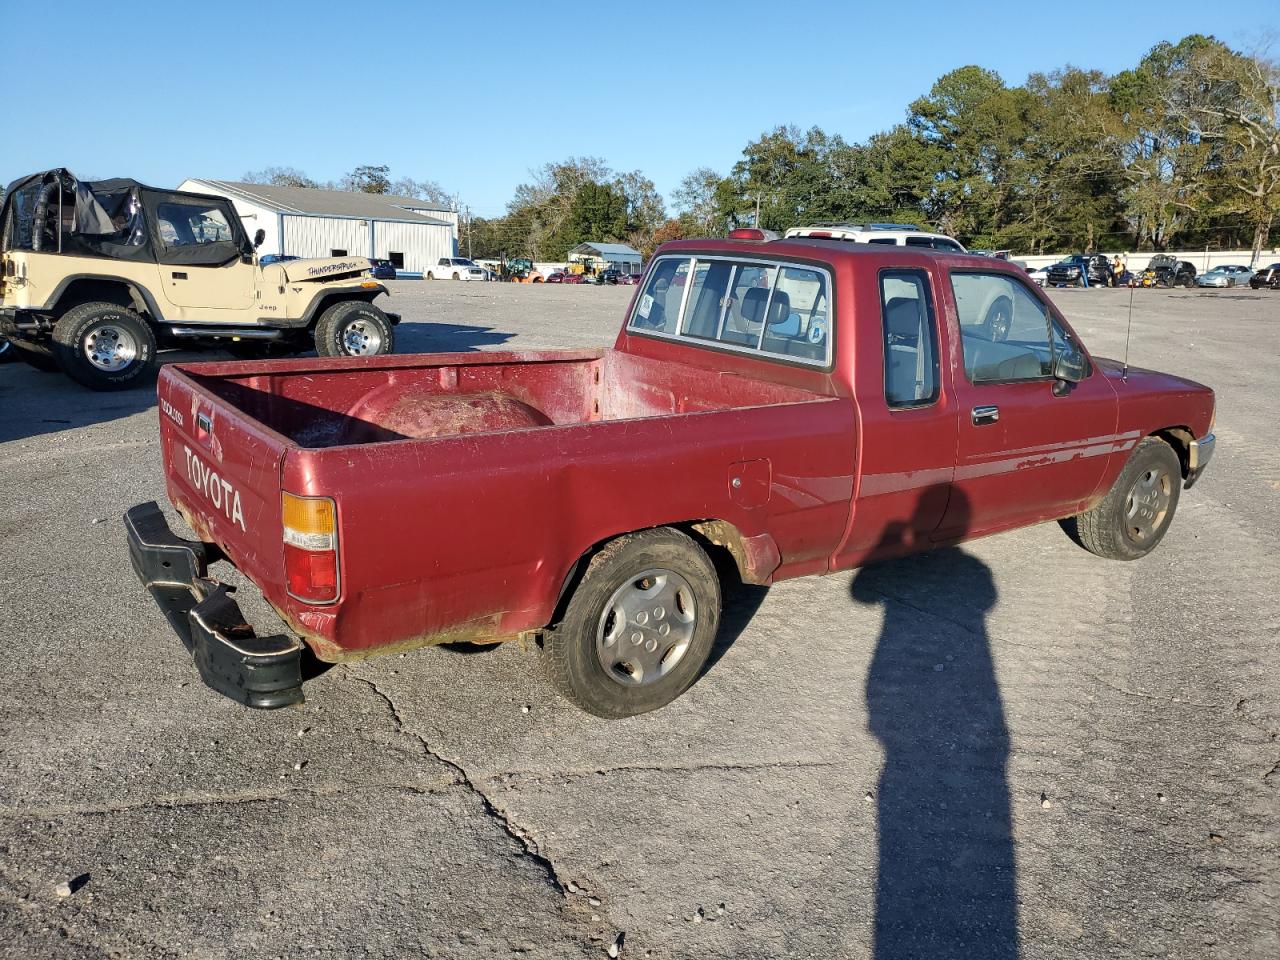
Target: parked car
[(570, 277), (457, 268), (1224, 276), (1038, 275), (1268, 276), (630, 279), (555, 276), (1166, 271), (1071, 271), (131, 269), (609, 275), (745, 425), (888, 234), (383, 269)]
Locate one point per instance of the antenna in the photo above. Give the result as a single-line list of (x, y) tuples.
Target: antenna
[(1124, 374)]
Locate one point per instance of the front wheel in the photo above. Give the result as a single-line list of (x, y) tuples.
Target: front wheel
[(430, 275), (455, 276), (103, 346), (354, 328), (1136, 512), (639, 626)]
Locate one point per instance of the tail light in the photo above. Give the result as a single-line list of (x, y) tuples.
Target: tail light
[(310, 548)]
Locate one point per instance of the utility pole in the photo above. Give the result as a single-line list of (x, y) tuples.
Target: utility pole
[(468, 233), (757, 221)]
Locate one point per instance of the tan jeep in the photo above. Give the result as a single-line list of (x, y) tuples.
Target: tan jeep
[(96, 277)]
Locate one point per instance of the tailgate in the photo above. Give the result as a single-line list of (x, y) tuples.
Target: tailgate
[(222, 470)]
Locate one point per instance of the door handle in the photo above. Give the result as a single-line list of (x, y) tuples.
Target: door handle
[(179, 276), (985, 415)]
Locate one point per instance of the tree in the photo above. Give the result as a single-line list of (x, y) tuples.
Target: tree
[(1230, 103), (280, 177), (421, 190), (368, 179), (695, 201), (598, 211)]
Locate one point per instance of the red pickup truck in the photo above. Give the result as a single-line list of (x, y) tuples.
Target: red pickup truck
[(770, 409)]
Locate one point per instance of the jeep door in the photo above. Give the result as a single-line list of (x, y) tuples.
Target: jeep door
[(201, 253), (1030, 448)]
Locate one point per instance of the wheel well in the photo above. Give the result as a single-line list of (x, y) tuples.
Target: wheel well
[(327, 300), (721, 540), (1180, 439), (94, 290)]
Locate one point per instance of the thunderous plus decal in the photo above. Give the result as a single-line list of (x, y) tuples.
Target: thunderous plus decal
[(344, 267)]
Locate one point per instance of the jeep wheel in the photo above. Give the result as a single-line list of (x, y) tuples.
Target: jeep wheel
[(103, 346), (354, 328), (1136, 512), (639, 626)]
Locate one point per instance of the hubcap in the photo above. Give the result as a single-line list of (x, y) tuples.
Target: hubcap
[(361, 338), (1147, 505), (110, 348), (646, 627)]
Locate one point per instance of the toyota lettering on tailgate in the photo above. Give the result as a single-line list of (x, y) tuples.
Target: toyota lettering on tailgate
[(219, 492)]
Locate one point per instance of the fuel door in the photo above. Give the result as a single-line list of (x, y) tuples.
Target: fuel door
[(750, 483)]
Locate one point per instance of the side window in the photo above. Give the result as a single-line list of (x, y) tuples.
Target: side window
[(910, 339), (950, 246), (658, 306), (1004, 328), (184, 224), (926, 242), (797, 324), (887, 241)]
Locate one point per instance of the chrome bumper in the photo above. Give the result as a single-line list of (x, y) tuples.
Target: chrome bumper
[(1198, 458)]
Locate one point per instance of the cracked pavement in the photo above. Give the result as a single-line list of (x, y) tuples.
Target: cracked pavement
[(1067, 757)]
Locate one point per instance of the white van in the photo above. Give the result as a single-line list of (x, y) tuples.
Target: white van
[(893, 234)]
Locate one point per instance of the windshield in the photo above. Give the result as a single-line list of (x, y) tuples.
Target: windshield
[(462, 262)]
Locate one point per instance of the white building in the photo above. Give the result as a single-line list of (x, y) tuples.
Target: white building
[(300, 222), (599, 256)]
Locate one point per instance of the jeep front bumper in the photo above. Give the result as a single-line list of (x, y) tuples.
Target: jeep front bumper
[(262, 672), (1198, 456)]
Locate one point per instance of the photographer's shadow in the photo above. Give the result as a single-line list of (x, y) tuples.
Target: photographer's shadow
[(946, 884)]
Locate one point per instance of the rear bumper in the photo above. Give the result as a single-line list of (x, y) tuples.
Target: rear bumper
[(1198, 457), (261, 672)]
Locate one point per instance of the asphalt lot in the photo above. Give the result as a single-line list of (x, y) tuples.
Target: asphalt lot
[(1067, 757)]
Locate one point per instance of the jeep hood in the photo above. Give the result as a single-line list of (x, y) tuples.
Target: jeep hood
[(325, 268)]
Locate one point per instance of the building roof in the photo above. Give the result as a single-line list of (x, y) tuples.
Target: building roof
[(608, 250), (333, 203)]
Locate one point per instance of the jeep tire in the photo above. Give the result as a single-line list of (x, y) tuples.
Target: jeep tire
[(638, 627), (1136, 512), (353, 328), (103, 346)]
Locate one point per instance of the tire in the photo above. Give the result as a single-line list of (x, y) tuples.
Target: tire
[(430, 275), (659, 577), (999, 319), (104, 346), (353, 328), (1136, 512), (455, 276), (8, 353)]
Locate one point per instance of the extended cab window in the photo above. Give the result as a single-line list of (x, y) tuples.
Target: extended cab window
[(778, 309), (1004, 328), (910, 338)]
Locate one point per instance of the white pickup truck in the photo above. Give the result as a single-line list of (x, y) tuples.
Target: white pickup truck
[(457, 268)]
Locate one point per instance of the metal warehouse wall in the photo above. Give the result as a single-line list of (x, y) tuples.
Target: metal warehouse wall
[(421, 244)]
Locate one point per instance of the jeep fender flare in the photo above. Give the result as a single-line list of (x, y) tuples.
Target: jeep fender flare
[(324, 299), (140, 295)]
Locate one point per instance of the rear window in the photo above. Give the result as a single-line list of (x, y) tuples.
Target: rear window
[(780, 310)]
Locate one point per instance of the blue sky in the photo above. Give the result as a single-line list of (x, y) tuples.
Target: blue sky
[(473, 99)]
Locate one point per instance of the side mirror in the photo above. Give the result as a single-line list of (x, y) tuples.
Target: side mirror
[(258, 236), (1068, 366)]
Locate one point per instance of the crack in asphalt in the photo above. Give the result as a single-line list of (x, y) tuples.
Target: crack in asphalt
[(538, 776), (527, 842), (188, 800), (1142, 694)]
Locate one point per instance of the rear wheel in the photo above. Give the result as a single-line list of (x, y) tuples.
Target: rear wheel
[(430, 275), (639, 626), (103, 346), (354, 328), (455, 276), (1136, 512)]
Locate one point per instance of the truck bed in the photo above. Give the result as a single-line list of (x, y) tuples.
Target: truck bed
[(339, 404)]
